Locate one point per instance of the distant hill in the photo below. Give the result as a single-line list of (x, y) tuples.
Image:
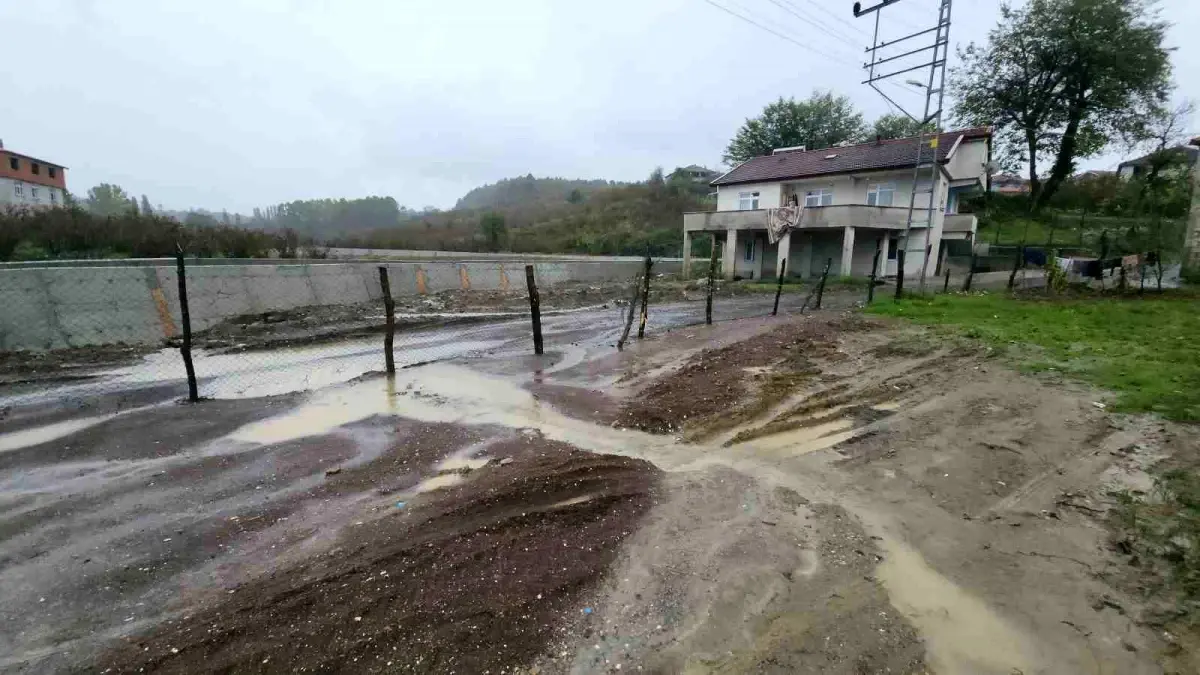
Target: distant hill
[(527, 190)]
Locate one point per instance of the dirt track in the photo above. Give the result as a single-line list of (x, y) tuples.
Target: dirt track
[(840, 495)]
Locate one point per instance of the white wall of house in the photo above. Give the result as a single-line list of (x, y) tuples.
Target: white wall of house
[(21, 193), (728, 195), (969, 161)]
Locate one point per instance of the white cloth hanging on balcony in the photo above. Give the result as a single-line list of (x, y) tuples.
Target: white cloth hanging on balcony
[(780, 220)]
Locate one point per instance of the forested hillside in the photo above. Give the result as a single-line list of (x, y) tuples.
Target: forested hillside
[(525, 190), (610, 219)]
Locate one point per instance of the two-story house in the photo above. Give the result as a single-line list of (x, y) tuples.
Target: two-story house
[(854, 199), (29, 181)]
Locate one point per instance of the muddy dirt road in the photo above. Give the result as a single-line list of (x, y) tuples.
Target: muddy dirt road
[(824, 494)]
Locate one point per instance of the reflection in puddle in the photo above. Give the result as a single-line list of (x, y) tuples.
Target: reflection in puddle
[(805, 440), (37, 435), (961, 631)]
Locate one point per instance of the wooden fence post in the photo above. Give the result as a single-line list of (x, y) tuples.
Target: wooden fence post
[(1017, 262), (535, 309), (645, 296), (946, 285), (900, 272), (633, 303), (712, 273), (185, 349), (389, 306), (824, 275), (779, 286), (970, 273)]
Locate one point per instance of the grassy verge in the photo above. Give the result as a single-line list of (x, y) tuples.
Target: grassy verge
[(1144, 349)]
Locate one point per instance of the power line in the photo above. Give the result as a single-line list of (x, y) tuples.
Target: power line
[(849, 56), (835, 17), (811, 19), (776, 33)]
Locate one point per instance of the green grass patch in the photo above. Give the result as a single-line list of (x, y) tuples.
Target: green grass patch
[(1144, 349)]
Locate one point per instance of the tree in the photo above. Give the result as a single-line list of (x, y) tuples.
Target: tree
[(1063, 78), (133, 205), (107, 199), (495, 231), (896, 125), (821, 121), (575, 196), (146, 210)]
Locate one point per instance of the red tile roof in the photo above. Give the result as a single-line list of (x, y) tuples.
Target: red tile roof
[(891, 154)]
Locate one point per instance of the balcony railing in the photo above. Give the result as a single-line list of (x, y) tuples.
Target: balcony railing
[(816, 217)]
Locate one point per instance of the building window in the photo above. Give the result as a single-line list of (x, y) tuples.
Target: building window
[(33, 192), (881, 194), (19, 190), (53, 171), (14, 163), (35, 168), (53, 197), (821, 197), (893, 246), (747, 201), (749, 250)]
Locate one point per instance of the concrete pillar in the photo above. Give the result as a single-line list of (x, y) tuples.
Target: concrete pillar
[(806, 246), (783, 249), (1191, 240), (847, 251), (727, 265), (687, 255), (884, 251)]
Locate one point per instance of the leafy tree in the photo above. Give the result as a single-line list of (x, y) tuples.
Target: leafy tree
[(146, 210), (896, 125), (575, 197), (494, 229), (133, 205), (107, 199), (822, 121), (1062, 79)]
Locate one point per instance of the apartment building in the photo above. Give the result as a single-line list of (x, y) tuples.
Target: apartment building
[(29, 181)]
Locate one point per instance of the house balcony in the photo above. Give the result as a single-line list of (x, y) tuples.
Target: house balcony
[(959, 226), (814, 218)]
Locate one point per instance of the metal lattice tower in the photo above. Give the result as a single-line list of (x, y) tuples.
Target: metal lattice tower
[(932, 114)]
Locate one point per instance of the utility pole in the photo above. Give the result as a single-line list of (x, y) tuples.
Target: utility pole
[(932, 113)]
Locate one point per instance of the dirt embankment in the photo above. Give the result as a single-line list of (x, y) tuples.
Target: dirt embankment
[(473, 578)]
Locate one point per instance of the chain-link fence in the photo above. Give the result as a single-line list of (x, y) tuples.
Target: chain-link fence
[(108, 336)]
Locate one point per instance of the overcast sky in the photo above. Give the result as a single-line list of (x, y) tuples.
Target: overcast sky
[(223, 104)]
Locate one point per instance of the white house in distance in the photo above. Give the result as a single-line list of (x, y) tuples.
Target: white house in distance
[(854, 198)]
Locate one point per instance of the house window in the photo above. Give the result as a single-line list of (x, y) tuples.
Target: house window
[(19, 190), (820, 197), (14, 163), (53, 171), (893, 245), (33, 192), (35, 168), (749, 250), (747, 201), (881, 194), (53, 197)]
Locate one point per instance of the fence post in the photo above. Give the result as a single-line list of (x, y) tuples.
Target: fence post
[(186, 318), (645, 296), (535, 309), (824, 275), (779, 286), (946, 285), (633, 302), (1012, 277), (925, 266), (389, 305), (874, 271), (970, 273), (900, 272), (712, 272)]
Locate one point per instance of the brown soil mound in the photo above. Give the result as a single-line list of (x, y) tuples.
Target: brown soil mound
[(714, 382), (470, 579)]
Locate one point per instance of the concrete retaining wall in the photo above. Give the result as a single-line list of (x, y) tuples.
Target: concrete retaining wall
[(56, 307)]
